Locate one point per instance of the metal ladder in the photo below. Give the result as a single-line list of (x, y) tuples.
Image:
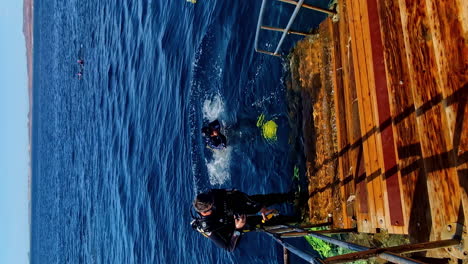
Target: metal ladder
[(280, 232), (286, 30)]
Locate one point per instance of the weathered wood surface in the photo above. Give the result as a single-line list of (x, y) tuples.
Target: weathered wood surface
[(325, 164), (358, 27), (409, 154), (410, 67), (348, 130), (313, 71), (442, 179), (346, 179), (393, 209), (399, 71)]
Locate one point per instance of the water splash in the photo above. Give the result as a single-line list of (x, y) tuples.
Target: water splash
[(218, 167), (268, 128), (213, 108)]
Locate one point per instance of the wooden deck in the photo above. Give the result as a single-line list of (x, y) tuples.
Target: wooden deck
[(398, 75)]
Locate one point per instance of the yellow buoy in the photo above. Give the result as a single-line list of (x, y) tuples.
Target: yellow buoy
[(268, 128)]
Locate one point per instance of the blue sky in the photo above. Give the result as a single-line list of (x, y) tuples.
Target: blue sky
[(14, 155)]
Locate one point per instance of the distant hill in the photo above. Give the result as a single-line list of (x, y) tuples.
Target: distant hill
[(28, 11), (28, 21)]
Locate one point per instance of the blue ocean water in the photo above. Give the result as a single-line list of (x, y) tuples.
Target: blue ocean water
[(117, 155)]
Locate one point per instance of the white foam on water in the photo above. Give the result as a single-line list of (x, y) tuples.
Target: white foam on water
[(213, 108), (218, 167)]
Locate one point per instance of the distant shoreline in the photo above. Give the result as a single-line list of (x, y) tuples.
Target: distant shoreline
[(28, 32)]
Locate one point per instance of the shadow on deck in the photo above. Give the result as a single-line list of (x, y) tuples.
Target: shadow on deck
[(386, 90)]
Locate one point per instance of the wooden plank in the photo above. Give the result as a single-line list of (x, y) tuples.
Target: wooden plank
[(365, 204), (375, 145), (391, 187), (360, 75), (364, 216), (356, 167), (442, 179), (313, 89), (447, 38), (451, 58), (329, 139), (317, 85), (413, 178), (340, 121), (372, 153), (462, 11)]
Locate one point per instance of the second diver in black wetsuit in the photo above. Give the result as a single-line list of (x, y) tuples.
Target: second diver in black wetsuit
[(213, 137)]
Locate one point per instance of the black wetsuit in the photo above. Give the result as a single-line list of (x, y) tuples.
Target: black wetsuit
[(216, 142), (220, 225)]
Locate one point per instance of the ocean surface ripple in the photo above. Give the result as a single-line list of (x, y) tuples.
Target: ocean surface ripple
[(117, 155)]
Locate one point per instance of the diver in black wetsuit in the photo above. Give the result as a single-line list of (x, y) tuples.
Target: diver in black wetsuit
[(212, 135), (223, 214)]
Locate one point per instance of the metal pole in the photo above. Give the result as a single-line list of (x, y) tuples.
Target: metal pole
[(259, 23), (286, 230), (280, 30), (303, 255), (329, 223), (332, 231), (386, 255), (397, 249), (268, 52), (315, 8), (291, 20)]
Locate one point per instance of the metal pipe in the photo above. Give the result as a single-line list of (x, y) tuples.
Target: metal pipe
[(397, 249), (331, 231), (343, 244), (329, 223), (291, 20), (386, 255), (280, 29), (337, 231), (303, 255), (259, 23), (315, 8), (284, 230), (268, 52)]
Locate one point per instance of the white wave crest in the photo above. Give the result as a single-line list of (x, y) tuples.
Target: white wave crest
[(213, 108), (218, 167)]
